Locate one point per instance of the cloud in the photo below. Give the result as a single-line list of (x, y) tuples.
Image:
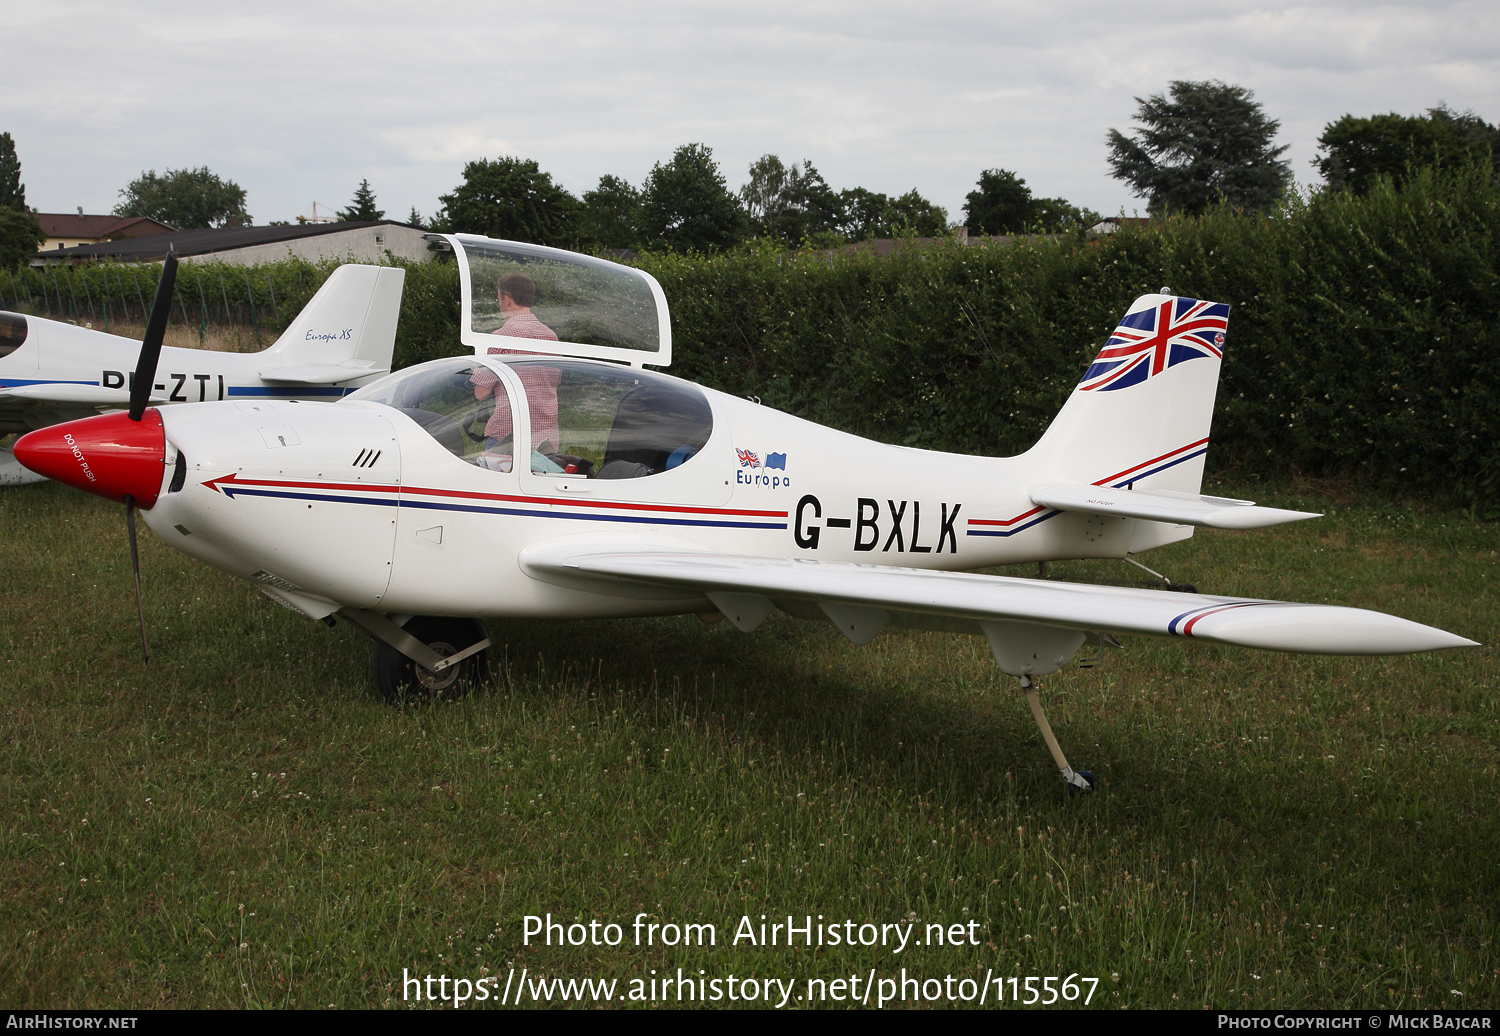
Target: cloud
[(298, 100)]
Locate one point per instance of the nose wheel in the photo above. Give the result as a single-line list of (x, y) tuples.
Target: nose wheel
[(429, 656), (400, 679)]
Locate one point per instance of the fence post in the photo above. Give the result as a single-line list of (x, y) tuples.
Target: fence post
[(73, 313), (254, 319), (275, 310), (124, 302), (145, 315), (202, 311), (228, 317)]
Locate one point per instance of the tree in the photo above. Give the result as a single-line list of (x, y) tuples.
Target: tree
[(611, 214), (764, 195), (1358, 150), (415, 219), (913, 214), (362, 208), (685, 204), (188, 199), (817, 211), (20, 235), (790, 203), (1211, 141), (1051, 215), (12, 190), (1002, 205), (867, 214), (509, 198)]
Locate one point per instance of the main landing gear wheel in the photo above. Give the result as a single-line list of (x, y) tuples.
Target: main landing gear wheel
[(399, 679)]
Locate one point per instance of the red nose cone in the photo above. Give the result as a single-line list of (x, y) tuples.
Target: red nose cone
[(109, 455)]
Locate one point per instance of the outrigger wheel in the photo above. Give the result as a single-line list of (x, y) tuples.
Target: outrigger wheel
[(399, 679), (1080, 782)]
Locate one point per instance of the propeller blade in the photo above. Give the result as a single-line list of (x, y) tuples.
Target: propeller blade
[(156, 330), (135, 565)]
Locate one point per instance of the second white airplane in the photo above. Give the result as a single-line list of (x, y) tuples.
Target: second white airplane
[(52, 371)]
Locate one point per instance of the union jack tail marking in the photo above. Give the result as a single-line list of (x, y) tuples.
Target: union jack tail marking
[(1151, 340)]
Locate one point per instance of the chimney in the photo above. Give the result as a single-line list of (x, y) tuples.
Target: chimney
[(80, 210)]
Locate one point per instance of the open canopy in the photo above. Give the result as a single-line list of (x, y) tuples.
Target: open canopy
[(560, 303)]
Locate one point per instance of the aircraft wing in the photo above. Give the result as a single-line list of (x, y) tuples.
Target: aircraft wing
[(1155, 505), (324, 373), (861, 599), (67, 393)]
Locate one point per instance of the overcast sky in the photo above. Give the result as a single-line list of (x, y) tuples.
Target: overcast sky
[(297, 102)]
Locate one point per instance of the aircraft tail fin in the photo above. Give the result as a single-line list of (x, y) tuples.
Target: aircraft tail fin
[(1140, 416), (351, 320)]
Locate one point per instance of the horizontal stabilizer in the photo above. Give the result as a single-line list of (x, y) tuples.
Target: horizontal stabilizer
[(324, 373), (68, 392), (628, 570), (1216, 512)]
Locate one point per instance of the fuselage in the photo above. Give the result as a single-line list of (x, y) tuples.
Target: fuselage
[(63, 371), (357, 504)]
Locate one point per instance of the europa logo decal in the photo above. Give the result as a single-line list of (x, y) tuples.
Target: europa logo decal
[(330, 336), (749, 459)]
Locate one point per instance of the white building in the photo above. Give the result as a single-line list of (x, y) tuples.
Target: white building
[(368, 242)]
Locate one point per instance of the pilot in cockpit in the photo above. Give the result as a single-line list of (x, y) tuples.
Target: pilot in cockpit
[(517, 293)]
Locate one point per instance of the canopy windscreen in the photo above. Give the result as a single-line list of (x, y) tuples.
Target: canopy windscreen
[(549, 299)]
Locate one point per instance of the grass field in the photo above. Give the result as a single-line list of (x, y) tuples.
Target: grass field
[(243, 823)]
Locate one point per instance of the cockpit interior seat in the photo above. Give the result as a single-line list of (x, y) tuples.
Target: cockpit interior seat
[(657, 426), (618, 468)]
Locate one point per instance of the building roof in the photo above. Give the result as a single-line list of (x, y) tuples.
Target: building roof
[(187, 243), (69, 224)]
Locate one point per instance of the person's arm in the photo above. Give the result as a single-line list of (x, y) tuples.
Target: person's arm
[(484, 381)]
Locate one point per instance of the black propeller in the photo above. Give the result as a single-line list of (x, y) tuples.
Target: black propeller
[(156, 330), (140, 395)]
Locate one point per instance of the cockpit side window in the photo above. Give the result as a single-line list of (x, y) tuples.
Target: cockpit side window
[(455, 401), (606, 422), (12, 332)]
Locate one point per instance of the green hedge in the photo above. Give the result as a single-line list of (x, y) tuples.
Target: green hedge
[(1360, 337), (1361, 334)]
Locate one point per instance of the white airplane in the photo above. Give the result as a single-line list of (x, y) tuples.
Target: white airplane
[(53, 371), (572, 483)]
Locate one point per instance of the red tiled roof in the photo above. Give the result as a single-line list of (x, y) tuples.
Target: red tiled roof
[(68, 224)]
